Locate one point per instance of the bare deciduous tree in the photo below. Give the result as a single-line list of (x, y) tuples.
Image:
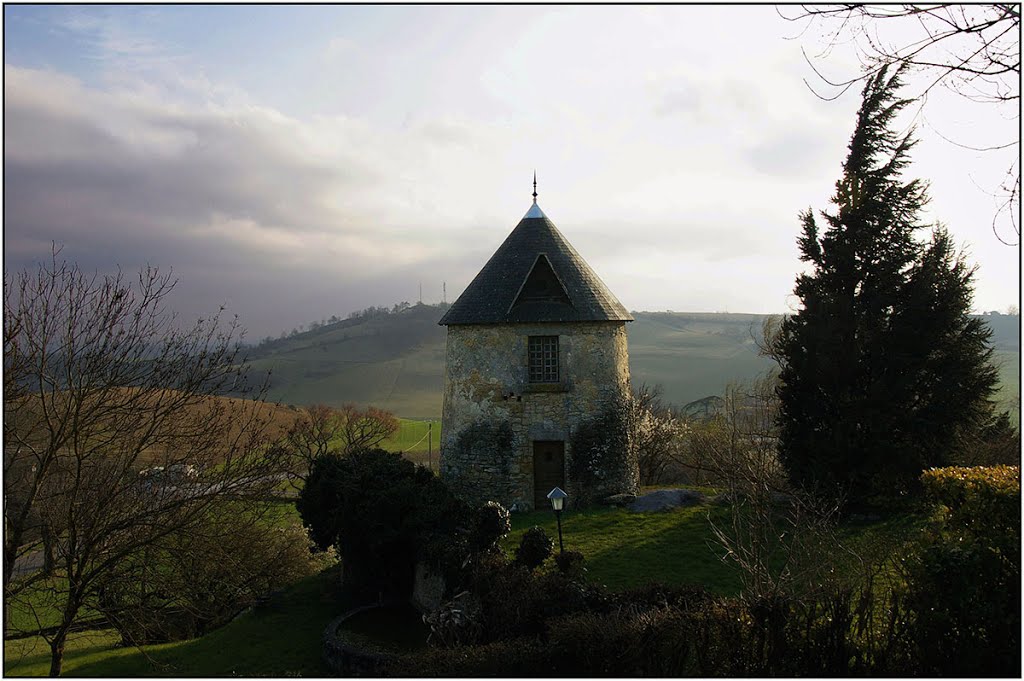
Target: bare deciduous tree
[(362, 428), (320, 429), (311, 436), (114, 436), (774, 534), (973, 50), (194, 580), (655, 433)]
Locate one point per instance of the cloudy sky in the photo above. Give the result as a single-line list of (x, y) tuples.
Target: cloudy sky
[(299, 162)]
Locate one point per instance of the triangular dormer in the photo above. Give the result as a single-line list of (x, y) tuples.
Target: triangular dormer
[(542, 285)]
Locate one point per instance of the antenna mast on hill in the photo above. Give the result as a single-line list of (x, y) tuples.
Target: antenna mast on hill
[(421, 293), (444, 292)]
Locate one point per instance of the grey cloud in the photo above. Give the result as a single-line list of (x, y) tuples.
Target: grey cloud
[(712, 238), (219, 167), (236, 202), (698, 96), (447, 133), (791, 152), (685, 101)]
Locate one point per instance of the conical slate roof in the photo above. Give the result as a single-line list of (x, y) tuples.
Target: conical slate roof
[(516, 285)]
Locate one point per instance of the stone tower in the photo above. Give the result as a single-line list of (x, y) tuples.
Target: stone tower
[(536, 345)]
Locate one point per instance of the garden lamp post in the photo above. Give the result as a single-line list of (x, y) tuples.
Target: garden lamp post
[(557, 497)]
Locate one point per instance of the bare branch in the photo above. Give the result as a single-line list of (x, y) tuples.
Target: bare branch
[(319, 430), (973, 50), (117, 433)]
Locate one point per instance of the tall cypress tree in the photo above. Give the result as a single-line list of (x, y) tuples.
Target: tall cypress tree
[(883, 373)]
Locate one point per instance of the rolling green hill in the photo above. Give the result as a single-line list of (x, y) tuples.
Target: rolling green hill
[(396, 361), (693, 355), (393, 361)]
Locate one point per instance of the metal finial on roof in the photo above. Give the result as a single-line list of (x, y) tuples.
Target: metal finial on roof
[(535, 211)]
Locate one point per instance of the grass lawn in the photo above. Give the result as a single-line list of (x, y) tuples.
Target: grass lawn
[(279, 639), (623, 549)]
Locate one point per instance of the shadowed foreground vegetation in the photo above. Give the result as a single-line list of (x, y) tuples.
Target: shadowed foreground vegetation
[(283, 636)]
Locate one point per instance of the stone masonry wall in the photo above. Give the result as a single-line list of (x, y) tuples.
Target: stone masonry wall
[(486, 381)]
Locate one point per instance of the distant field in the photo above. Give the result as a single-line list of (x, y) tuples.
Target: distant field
[(417, 441), (1008, 396), (693, 356), (237, 413)]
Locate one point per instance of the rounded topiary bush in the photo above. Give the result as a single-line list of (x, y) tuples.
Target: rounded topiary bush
[(534, 548), (570, 563), (490, 523), (381, 512)]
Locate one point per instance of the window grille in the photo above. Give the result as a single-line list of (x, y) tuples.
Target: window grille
[(543, 359)]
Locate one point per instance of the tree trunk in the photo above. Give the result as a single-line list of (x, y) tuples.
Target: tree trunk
[(60, 636), (57, 651), (12, 540), (48, 555)]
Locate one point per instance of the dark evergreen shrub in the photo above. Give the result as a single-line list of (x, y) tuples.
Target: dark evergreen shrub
[(491, 522), (570, 563), (515, 601), (534, 548), (382, 513)]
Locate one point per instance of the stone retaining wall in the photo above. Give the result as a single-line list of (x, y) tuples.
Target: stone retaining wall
[(345, 659)]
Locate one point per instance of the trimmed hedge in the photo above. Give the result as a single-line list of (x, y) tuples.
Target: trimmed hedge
[(964, 582), (679, 634), (983, 501)]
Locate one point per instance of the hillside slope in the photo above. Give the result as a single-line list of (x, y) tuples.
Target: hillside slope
[(393, 361), (396, 361)]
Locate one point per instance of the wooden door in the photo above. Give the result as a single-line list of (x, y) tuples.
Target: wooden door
[(548, 470)]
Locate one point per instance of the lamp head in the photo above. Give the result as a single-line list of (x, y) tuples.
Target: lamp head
[(557, 497)]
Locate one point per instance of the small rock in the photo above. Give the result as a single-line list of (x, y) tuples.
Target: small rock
[(619, 500), (664, 499)]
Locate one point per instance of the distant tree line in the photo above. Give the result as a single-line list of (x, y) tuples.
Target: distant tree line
[(371, 312)]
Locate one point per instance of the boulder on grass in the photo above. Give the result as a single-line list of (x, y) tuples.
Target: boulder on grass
[(619, 500), (665, 499)]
